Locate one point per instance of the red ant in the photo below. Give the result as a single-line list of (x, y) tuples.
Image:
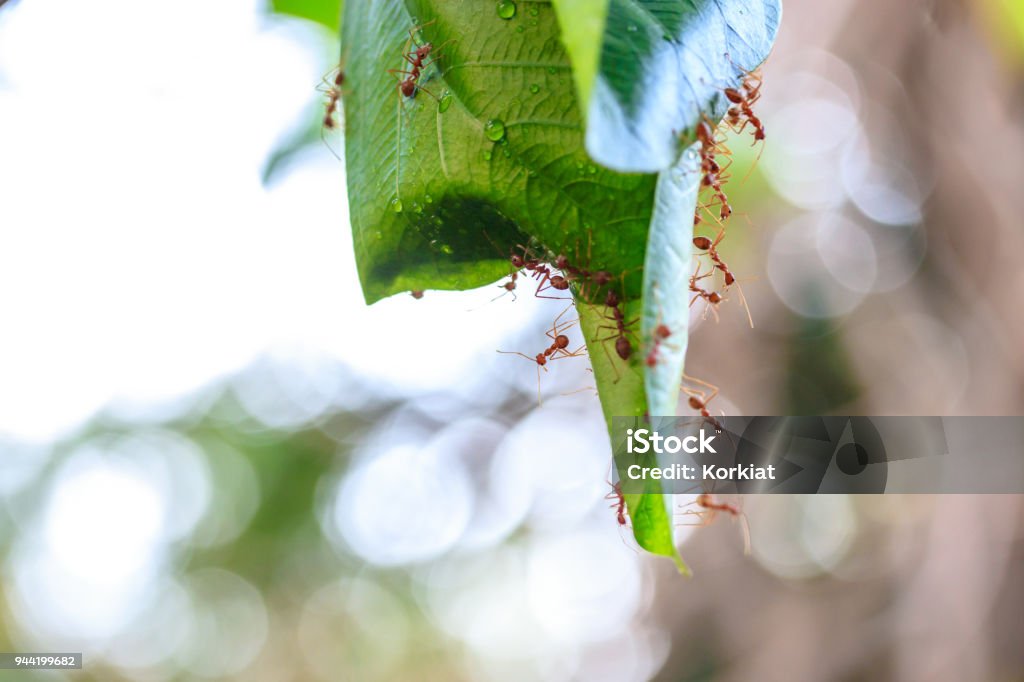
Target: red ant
[(743, 98), (416, 293), (712, 298), (711, 505), (661, 332), (541, 272), (619, 504), (623, 348), (332, 89), (711, 247), (714, 175), (416, 58), (698, 399), (585, 277), (557, 349)]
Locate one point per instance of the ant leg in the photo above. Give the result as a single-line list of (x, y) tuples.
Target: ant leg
[(432, 95), (539, 403), (323, 138), (712, 389), (611, 361), (566, 325), (523, 355)]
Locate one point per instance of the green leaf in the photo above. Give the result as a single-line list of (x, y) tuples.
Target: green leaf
[(664, 64), (620, 386), (324, 12), (582, 23), (652, 526), (488, 154), (440, 198), (667, 270)]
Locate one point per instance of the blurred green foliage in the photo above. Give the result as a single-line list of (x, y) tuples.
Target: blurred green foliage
[(324, 12)]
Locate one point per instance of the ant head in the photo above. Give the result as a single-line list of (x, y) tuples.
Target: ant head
[(702, 243), (729, 279), (517, 261), (339, 80), (561, 262), (714, 297), (611, 299), (662, 331), (541, 359), (623, 347), (417, 293), (725, 212), (704, 500)]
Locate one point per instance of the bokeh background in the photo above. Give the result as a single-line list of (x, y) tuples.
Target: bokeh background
[(216, 462)]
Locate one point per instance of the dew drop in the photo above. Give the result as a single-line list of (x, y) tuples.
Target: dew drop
[(446, 249), (632, 28), (396, 205), (552, 69), (520, 29), (494, 130), (446, 101), (534, 11), (506, 9), (535, 88), (487, 155), (429, 199)]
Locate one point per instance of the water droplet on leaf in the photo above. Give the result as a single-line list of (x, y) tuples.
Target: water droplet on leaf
[(494, 129), (396, 205), (446, 101), (506, 9), (535, 88)]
